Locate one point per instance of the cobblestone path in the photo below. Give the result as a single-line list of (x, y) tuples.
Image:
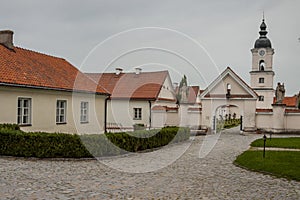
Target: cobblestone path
[(188, 177)]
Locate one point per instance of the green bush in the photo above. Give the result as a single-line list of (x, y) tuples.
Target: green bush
[(9, 126), (139, 127), (14, 142), (226, 124)]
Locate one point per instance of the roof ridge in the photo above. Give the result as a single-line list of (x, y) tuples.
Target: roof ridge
[(166, 71), (44, 54)]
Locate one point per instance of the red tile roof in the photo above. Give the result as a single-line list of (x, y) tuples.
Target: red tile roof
[(26, 68), (231, 96), (145, 85), (194, 109), (289, 101), (292, 110), (165, 108), (193, 92)]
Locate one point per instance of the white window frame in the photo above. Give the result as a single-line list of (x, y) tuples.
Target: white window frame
[(61, 111), (84, 112), (137, 113), (24, 112)]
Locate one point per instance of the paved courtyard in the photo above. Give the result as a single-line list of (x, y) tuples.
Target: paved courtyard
[(202, 172)]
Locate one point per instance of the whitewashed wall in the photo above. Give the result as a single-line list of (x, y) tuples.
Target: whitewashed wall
[(43, 115), (122, 112)]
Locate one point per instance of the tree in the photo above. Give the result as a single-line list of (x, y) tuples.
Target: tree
[(181, 84), (183, 80)]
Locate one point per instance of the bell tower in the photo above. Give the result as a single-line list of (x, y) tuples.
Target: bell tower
[(262, 74)]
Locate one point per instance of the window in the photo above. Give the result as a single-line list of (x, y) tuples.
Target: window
[(61, 108), (260, 98), (261, 80), (84, 109), (261, 65), (24, 111), (137, 113)]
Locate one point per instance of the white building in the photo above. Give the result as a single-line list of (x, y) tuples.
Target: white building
[(137, 98), (254, 103), (46, 93)]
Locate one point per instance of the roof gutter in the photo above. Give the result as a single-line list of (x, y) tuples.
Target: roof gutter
[(105, 114), (49, 88)]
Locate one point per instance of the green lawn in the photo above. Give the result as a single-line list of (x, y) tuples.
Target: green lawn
[(279, 163), (292, 143)]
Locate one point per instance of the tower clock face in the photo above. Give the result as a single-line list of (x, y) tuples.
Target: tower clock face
[(262, 52)]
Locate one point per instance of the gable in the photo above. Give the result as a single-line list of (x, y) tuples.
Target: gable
[(218, 88), (167, 91)]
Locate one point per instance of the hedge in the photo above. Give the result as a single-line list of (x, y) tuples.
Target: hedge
[(14, 142)]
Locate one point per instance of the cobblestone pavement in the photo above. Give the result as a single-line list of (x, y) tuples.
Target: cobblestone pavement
[(189, 177)]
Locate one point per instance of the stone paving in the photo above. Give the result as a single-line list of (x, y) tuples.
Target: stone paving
[(161, 174)]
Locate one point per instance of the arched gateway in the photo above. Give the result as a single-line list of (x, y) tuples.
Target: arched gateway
[(227, 115), (228, 95)]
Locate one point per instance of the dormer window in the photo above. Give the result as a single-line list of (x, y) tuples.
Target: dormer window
[(262, 65)]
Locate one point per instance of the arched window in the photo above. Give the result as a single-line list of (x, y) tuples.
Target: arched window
[(228, 86), (262, 65)]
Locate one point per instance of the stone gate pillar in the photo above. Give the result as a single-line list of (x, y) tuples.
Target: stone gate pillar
[(278, 117)]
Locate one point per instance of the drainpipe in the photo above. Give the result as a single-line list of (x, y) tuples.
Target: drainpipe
[(105, 114), (150, 120)]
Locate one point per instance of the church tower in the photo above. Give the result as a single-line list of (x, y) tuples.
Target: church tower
[(262, 74)]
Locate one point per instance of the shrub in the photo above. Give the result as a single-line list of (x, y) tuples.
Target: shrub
[(139, 127), (9, 126), (14, 142)]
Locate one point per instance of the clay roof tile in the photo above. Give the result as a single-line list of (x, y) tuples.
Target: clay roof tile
[(26, 68)]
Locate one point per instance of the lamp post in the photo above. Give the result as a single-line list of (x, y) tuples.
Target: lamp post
[(264, 138)]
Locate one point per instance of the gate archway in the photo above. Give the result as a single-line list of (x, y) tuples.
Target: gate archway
[(227, 116)]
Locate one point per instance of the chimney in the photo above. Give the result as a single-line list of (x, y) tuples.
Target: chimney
[(6, 39), (118, 71), (138, 70)]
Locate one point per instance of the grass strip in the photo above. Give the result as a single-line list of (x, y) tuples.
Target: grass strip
[(291, 143), (278, 163)]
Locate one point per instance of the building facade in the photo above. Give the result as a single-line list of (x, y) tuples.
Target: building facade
[(46, 93)]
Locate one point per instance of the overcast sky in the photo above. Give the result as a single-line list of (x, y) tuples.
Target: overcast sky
[(196, 38)]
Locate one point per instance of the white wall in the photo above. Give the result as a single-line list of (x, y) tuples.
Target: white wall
[(194, 118), (167, 90), (264, 120), (292, 122), (278, 120), (43, 117), (122, 112)]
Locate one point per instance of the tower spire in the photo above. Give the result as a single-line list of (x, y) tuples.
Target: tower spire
[(263, 32)]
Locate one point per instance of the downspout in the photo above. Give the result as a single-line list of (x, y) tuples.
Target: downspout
[(150, 115), (105, 114)]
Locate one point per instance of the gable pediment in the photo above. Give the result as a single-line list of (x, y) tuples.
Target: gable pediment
[(218, 88)]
